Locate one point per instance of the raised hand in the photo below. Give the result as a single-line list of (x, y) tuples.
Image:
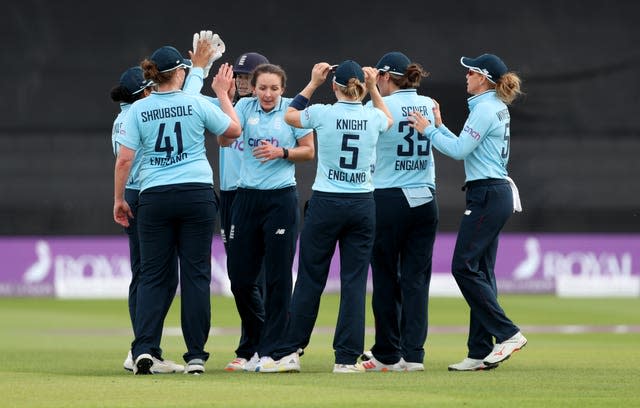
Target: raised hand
[(202, 52), (223, 82)]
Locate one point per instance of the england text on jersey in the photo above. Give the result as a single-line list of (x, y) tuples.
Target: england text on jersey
[(169, 112), (412, 164), (356, 178), (165, 161)]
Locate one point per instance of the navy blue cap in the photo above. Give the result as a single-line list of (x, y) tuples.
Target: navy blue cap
[(346, 70), (133, 80), (393, 62), (488, 65), (247, 62), (168, 58)]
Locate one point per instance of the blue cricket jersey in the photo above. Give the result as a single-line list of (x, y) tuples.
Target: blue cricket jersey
[(168, 127), (229, 157), (403, 155), (230, 162), (133, 181), (347, 134), (483, 143), (259, 125)]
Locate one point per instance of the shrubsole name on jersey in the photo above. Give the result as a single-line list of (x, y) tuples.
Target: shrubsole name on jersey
[(169, 112)]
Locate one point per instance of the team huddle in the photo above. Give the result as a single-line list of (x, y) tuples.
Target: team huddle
[(380, 213)]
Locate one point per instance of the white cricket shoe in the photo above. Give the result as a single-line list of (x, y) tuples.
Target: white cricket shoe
[(471, 364), (503, 351), (348, 368), (165, 366), (411, 366), (287, 364), (290, 363), (128, 362), (366, 356), (237, 364), (252, 363), (266, 365), (374, 365), (143, 364), (195, 367)]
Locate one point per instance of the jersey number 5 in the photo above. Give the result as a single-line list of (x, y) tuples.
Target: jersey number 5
[(163, 143), (507, 141), (352, 149)]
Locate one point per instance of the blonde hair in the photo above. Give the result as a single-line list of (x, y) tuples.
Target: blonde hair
[(508, 87), (354, 89)]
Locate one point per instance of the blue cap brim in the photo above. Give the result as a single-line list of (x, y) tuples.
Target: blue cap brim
[(467, 62)]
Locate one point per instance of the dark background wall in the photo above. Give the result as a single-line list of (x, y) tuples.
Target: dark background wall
[(575, 135)]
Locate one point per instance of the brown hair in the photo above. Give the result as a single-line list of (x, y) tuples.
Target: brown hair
[(411, 78), (508, 87), (269, 69), (150, 71)]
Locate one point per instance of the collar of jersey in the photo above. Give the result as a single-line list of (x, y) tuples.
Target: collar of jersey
[(350, 102), (406, 90), (166, 92), (476, 99), (276, 108)]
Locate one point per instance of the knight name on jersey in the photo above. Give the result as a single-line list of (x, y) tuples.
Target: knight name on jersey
[(339, 175), (412, 164), (351, 124), (164, 113)]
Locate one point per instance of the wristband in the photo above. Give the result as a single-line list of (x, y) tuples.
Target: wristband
[(299, 102), (285, 153)]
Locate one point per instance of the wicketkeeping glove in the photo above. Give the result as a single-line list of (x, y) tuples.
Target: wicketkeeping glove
[(218, 46), (216, 43)]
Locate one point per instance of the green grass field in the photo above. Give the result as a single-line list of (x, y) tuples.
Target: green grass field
[(69, 353)]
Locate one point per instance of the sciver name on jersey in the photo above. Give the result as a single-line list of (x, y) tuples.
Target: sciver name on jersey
[(484, 140), (347, 135), (168, 129), (403, 155)]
